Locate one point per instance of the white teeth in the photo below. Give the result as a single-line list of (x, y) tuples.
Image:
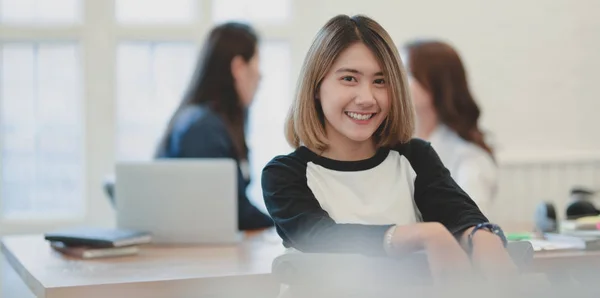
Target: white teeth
[(359, 116)]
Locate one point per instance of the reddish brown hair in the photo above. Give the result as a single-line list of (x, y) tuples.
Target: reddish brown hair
[(439, 69)]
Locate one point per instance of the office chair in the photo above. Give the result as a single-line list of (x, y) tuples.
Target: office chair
[(581, 204), (109, 188)]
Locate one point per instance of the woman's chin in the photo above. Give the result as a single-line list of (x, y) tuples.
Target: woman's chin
[(360, 138)]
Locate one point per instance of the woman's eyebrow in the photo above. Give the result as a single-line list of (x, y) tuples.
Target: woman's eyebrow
[(356, 71), (349, 70)]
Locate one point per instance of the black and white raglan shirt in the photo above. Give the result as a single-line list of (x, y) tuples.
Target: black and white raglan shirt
[(329, 206)]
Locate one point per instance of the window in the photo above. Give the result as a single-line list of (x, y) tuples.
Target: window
[(264, 11), (41, 129), (152, 76), (31, 12), (95, 82), (155, 11), (268, 111), (151, 79)]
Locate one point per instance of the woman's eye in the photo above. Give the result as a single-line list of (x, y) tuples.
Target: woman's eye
[(349, 79), (380, 81)]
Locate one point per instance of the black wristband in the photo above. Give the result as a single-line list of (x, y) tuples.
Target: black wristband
[(493, 228)]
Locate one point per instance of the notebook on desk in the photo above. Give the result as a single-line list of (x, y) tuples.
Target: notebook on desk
[(99, 237), (541, 245), (87, 252)]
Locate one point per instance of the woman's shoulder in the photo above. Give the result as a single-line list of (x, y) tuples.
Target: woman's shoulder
[(197, 117), (453, 149), (418, 149), (470, 152), (474, 151), (293, 163), (422, 156), (414, 148), (198, 113), (299, 157)]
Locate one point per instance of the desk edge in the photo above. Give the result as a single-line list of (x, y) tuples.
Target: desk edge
[(32, 283)]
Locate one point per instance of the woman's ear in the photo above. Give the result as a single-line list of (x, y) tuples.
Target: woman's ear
[(237, 66)]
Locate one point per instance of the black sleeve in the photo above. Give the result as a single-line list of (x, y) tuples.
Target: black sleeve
[(300, 220), (437, 195), (205, 139)]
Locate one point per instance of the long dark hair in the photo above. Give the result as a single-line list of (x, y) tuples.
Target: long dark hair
[(439, 69), (213, 85)]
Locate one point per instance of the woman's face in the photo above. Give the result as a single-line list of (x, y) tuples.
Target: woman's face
[(354, 95), (246, 75)]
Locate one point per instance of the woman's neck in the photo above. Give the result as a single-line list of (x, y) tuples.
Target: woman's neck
[(348, 150), (426, 125)]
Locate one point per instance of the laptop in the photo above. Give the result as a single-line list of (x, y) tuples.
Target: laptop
[(179, 201)]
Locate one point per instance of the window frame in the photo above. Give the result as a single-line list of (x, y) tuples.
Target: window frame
[(36, 44), (98, 35)]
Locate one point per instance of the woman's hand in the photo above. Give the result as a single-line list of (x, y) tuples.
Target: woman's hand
[(447, 260), (490, 257)]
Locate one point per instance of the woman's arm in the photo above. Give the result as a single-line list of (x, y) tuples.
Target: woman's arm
[(437, 196), (440, 199), (304, 225), (488, 253)]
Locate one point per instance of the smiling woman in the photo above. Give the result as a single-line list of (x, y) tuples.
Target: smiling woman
[(357, 181)]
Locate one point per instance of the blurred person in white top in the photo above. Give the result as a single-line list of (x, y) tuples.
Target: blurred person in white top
[(447, 116)]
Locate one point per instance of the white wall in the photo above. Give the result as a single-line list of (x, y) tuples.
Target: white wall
[(533, 64), (533, 67)]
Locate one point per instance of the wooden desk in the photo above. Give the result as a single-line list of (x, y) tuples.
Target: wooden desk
[(158, 271), (552, 262), (192, 271), (560, 261)]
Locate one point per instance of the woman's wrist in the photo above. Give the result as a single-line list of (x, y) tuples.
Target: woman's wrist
[(388, 240), (488, 235), (406, 239)]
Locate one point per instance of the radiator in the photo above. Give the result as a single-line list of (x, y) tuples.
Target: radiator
[(524, 182)]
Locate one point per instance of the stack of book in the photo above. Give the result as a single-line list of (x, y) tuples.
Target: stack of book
[(583, 232), (90, 243), (589, 225)]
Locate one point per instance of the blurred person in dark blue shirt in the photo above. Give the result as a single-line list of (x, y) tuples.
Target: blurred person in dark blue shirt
[(210, 121)]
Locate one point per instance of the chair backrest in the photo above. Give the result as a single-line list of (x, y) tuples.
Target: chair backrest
[(522, 253), (108, 185), (348, 275)]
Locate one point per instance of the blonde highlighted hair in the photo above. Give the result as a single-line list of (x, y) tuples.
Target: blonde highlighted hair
[(305, 123)]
